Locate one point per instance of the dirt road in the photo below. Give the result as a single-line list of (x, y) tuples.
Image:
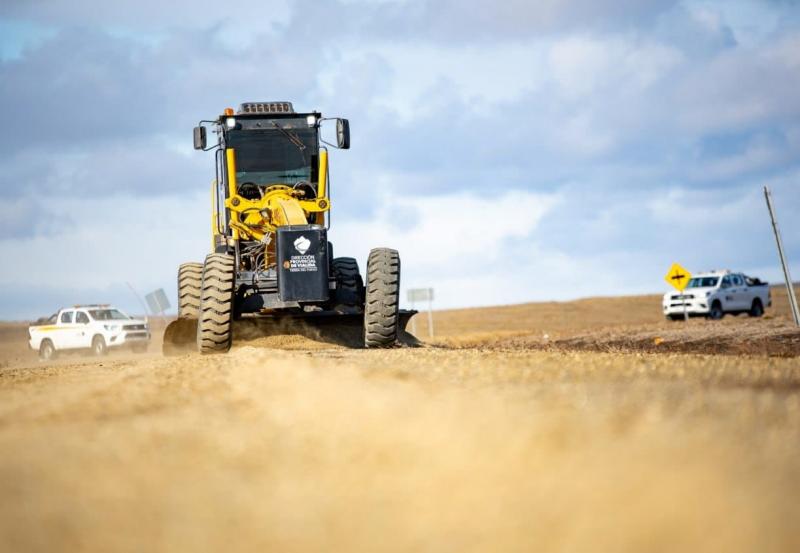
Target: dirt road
[(485, 441)]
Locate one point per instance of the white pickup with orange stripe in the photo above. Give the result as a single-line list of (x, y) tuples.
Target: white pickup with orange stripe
[(91, 327)]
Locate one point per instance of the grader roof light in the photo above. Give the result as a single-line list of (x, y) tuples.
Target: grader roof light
[(266, 107)]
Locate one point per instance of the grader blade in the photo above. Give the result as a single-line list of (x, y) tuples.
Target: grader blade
[(180, 336), (347, 330)]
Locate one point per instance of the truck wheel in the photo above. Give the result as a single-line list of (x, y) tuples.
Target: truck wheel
[(47, 351), (190, 276), (99, 347), (214, 330), (382, 303), (349, 294), (716, 312), (757, 309)]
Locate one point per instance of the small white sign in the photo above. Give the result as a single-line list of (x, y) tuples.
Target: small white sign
[(420, 294), (157, 301)]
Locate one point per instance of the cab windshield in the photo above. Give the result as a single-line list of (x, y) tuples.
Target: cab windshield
[(283, 152), (108, 315), (703, 282)]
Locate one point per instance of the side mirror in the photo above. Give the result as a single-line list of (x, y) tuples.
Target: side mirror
[(343, 134), (199, 138)]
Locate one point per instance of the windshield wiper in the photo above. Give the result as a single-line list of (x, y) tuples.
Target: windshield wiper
[(293, 138)]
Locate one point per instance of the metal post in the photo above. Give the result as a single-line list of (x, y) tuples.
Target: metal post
[(430, 315), (685, 314), (422, 294), (784, 264), (141, 302)]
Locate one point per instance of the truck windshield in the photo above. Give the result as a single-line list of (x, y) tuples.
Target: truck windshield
[(703, 282), (275, 156), (108, 315)]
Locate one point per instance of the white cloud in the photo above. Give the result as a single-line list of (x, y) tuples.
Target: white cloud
[(583, 65), (507, 71), (761, 153), (739, 88), (581, 135), (109, 242), (144, 15), (457, 242), (487, 250), (752, 21)]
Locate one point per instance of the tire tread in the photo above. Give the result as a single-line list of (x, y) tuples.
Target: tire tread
[(215, 310), (381, 306), (190, 276)]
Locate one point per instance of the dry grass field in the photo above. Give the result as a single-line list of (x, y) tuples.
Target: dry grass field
[(579, 426)]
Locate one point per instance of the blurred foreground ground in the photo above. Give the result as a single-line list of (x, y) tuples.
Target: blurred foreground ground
[(585, 426)]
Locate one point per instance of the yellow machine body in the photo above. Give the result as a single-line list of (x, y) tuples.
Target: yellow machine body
[(271, 257), (280, 205)]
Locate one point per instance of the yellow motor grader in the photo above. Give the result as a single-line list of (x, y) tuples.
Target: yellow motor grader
[(270, 217)]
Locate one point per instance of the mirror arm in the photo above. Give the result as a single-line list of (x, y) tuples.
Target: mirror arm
[(337, 119)]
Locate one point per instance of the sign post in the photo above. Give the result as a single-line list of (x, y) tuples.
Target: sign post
[(138, 297), (678, 277), (413, 319), (784, 264), (422, 294)]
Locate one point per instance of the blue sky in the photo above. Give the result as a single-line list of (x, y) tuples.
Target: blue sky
[(512, 151)]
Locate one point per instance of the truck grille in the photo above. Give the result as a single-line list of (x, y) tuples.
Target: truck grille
[(134, 327), (135, 335), (682, 296)]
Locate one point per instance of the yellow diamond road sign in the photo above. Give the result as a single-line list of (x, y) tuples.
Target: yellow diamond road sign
[(678, 276)]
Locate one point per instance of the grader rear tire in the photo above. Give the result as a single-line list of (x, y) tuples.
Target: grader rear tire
[(214, 332), (349, 294), (382, 305), (190, 276)]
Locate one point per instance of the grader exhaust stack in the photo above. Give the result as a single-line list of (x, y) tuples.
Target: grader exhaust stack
[(270, 253)]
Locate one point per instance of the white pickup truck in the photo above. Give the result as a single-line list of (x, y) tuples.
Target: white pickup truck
[(92, 327), (715, 293)]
